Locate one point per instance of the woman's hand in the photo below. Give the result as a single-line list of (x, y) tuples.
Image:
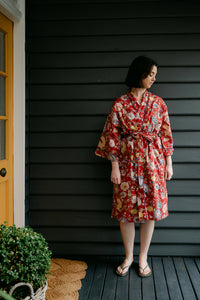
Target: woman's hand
[(115, 174), (168, 171), (168, 168)]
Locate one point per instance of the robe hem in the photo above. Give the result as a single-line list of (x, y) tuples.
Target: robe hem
[(143, 221)]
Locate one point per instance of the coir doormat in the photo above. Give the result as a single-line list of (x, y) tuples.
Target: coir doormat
[(65, 279)]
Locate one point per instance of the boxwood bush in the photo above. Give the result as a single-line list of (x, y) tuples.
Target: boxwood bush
[(24, 257)]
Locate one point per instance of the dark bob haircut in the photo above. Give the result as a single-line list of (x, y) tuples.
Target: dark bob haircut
[(139, 69)]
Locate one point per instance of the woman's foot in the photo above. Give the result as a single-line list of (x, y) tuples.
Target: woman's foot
[(123, 269), (144, 269), (143, 272)]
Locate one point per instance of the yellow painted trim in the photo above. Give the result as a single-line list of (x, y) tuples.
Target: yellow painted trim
[(7, 27), (3, 74)]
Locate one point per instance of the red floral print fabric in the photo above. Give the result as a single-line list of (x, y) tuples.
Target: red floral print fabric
[(139, 137)]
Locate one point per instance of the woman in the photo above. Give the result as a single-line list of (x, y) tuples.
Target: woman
[(137, 138)]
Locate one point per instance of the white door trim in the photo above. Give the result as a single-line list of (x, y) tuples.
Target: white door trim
[(19, 117)]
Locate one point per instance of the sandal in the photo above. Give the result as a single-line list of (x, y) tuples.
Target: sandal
[(144, 275), (124, 274)]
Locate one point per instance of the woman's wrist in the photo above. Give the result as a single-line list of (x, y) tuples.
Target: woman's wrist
[(115, 164), (168, 160)]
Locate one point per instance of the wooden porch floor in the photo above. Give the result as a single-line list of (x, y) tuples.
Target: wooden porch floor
[(173, 278)]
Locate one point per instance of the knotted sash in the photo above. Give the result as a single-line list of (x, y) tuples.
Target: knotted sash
[(139, 156)]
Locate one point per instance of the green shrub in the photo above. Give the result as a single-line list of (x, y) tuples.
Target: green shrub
[(24, 257)]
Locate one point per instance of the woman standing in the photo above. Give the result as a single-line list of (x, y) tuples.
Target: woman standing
[(137, 138)]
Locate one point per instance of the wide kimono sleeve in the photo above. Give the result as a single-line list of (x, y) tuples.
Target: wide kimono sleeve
[(110, 140), (166, 133)]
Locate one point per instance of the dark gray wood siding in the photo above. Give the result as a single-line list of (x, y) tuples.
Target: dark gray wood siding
[(78, 53)]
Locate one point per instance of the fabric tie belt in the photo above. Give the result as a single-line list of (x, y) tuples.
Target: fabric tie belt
[(139, 158), (149, 136)]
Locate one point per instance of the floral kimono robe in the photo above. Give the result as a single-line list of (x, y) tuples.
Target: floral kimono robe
[(139, 137)]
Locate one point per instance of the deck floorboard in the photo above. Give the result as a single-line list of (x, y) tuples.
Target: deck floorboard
[(174, 277)]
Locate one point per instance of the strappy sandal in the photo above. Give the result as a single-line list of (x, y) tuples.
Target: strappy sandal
[(124, 274), (144, 275)]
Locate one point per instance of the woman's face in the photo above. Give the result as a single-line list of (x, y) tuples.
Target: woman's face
[(149, 80)]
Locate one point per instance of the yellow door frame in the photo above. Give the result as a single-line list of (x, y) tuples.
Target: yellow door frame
[(7, 210)]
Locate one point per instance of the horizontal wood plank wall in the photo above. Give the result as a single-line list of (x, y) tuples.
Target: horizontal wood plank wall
[(78, 56)]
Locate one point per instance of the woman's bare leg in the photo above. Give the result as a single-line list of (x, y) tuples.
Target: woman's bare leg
[(128, 236), (146, 232)]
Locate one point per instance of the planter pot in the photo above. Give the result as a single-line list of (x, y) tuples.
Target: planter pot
[(38, 295)]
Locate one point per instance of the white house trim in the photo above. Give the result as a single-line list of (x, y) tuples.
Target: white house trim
[(19, 117)]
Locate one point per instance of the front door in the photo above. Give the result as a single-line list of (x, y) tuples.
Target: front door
[(6, 120)]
